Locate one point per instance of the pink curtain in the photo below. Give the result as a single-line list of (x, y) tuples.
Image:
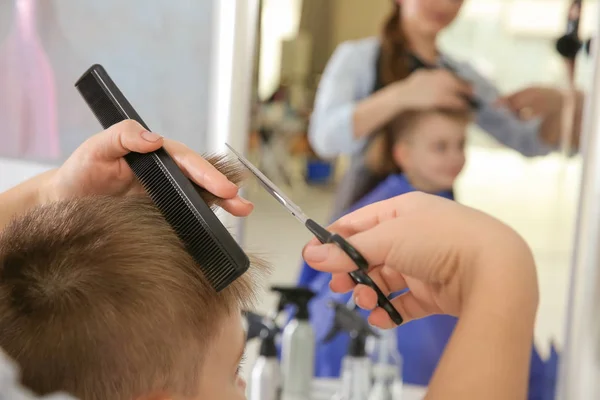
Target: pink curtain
[(28, 109)]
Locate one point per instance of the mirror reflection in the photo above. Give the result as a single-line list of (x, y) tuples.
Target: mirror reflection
[(475, 101)]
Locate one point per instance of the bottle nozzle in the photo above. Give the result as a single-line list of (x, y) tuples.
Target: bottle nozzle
[(297, 296), (350, 321), (254, 324), (266, 329)]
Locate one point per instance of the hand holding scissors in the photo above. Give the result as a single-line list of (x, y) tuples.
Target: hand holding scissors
[(359, 276)]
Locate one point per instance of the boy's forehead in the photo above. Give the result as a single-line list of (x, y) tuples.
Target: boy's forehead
[(438, 123), (231, 334), (445, 117), (227, 347)]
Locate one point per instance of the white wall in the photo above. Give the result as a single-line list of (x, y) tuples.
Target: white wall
[(354, 19), (280, 21), (156, 51)]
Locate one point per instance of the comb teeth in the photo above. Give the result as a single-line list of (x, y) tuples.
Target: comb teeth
[(205, 238), (185, 220)]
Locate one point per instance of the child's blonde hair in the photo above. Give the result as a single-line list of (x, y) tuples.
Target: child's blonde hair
[(99, 298)]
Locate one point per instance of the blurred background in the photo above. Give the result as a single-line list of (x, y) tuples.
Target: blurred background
[(162, 54)]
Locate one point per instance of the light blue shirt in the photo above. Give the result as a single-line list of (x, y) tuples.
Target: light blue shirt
[(350, 77)]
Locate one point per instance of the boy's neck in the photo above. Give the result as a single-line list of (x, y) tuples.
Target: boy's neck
[(422, 185)]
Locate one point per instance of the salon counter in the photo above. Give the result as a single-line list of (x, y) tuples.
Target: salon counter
[(324, 389)]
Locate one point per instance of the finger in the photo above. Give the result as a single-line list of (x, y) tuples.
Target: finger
[(463, 88), (455, 83), (501, 102), (365, 297), (121, 139), (329, 257), (407, 305), (527, 113), (369, 216), (349, 225), (341, 283), (454, 103), (313, 242), (201, 171), (381, 319), (394, 279), (507, 102), (521, 99), (237, 206), (388, 281), (374, 244)]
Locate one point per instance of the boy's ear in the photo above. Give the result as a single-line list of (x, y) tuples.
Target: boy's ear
[(401, 155)]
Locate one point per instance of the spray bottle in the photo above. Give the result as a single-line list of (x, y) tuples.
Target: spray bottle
[(298, 344), (388, 368), (265, 379), (356, 365)]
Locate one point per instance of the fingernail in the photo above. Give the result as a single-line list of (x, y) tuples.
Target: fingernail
[(151, 136), (316, 253), (243, 200)]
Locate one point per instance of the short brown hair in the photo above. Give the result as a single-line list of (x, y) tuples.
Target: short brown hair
[(379, 154), (99, 298)]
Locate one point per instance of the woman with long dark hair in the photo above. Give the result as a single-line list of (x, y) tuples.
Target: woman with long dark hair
[(370, 81)]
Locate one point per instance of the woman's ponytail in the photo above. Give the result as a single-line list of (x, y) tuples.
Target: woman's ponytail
[(393, 66), (393, 59)]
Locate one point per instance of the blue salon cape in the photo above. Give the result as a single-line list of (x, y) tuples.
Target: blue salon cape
[(421, 342)]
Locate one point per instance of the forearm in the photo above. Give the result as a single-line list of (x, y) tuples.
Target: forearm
[(22, 197), (489, 353), (373, 112), (570, 117)]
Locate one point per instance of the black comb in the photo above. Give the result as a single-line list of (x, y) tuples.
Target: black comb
[(211, 245)]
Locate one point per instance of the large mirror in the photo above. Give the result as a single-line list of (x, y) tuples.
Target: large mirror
[(509, 46)]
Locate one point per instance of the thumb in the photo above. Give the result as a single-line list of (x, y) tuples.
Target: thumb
[(507, 101), (373, 244), (123, 138), (501, 101)]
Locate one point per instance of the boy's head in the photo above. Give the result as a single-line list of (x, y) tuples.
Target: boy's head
[(428, 147), (99, 298)]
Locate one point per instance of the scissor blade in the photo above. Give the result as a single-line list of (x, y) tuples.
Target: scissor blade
[(271, 187)]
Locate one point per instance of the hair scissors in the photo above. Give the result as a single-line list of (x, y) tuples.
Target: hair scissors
[(359, 276)]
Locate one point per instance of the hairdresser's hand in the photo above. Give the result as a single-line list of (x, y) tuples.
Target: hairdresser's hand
[(434, 88), (98, 167), (442, 251), (533, 102)]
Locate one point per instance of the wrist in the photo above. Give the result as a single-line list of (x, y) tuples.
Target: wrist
[(504, 277), (401, 93)]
